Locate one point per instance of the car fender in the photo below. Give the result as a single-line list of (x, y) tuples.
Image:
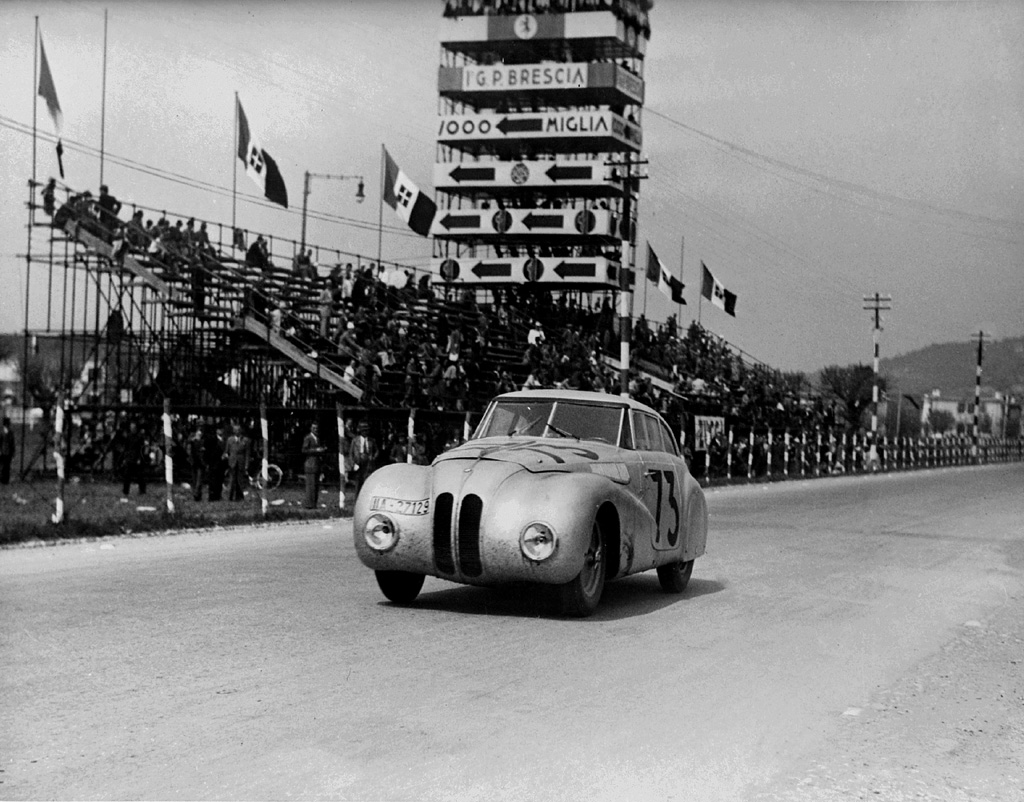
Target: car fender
[(566, 502), (384, 489)]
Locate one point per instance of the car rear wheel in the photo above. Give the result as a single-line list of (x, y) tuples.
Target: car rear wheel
[(580, 597), (675, 577), (401, 587)]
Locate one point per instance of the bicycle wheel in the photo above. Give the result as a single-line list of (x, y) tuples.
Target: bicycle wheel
[(273, 478)]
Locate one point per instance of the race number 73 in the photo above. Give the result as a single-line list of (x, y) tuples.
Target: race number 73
[(665, 480)]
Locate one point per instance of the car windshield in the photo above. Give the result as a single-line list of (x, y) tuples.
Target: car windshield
[(551, 418)]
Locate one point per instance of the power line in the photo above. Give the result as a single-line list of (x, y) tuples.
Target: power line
[(849, 186), (195, 183)]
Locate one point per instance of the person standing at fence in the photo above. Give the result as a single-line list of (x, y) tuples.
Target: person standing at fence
[(6, 451), (213, 459), (236, 453), (312, 450), (134, 460), (197, 459), (362, 456)]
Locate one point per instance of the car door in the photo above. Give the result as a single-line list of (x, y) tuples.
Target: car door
[(662, 480)]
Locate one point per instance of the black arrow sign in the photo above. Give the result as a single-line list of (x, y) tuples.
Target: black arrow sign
[(461, 173), (532, 221), (451, 221), (498, 270), (575, 269), (555, 173), (510, 126)]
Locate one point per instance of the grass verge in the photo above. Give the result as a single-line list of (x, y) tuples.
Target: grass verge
[(97, 509)]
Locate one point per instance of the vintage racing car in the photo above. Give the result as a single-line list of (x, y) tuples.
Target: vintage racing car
[(558, 487)]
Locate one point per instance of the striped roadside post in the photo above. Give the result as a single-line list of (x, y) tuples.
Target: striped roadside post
[(750, 456), (876, 303), (728, 457), (264, 460), (58, 457), (410, 434), (168, 456), (342, 473), (976, 450)]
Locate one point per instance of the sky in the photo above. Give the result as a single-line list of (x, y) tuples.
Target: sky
[(809, 153)]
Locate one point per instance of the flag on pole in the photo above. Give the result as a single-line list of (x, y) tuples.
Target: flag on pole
[(48, 92), (259, 166), (712, 289), (401, 194), (670, 286)]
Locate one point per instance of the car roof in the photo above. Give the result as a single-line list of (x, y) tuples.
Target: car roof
[(585, 396)]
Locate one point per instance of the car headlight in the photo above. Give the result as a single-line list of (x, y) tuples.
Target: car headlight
[(537, 542), (380, 532)]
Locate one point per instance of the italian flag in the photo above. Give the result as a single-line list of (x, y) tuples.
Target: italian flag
[(402, 195)]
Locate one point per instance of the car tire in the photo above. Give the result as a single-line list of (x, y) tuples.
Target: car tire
[(580, 597), (674, 577), (401, 587)]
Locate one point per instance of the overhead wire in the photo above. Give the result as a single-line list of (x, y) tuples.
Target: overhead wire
[(196, 183)]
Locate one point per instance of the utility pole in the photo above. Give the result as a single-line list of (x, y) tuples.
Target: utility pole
[(875, 303), (625, 274), (982, 337)]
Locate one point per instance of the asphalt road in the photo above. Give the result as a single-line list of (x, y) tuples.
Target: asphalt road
[(264, 663)]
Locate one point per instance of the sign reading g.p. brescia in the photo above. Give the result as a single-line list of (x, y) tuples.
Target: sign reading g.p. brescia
[(524, 76)]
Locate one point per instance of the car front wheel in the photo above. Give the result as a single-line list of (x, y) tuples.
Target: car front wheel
[(401, 587), (579, 598), (675, 577)]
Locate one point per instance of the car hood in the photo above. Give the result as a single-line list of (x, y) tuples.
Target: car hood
[(543, 455)]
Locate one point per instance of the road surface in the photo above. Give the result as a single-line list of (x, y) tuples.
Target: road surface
[(856, 637)]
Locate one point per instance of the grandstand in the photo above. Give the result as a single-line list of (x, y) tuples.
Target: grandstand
[(537, 186)]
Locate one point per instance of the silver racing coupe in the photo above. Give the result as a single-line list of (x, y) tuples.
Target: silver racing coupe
[(555, 487)]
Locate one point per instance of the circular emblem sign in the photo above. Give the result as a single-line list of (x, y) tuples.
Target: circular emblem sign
[(449, 270), (502, 221), (533, 269), (525, 26), (520, 173), (585, 222)]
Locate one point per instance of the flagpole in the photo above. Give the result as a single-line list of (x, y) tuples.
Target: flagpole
[(103, 100), (234, 175), (380, 208), (28, 254), (647, 281), (35, 101)]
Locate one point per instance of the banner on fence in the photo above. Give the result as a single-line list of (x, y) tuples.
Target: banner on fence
[(705, 427)]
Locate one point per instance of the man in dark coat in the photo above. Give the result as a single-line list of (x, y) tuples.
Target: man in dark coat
[(198, 462), (311, 450), (362, 456), (213, 458), (134, 459), (6, 451), (109, 209), (236, 453)]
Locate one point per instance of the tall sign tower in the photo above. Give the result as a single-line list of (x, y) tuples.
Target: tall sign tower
[(539, 136)]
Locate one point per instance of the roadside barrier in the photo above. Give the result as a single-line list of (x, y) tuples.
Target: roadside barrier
[(741, 454)]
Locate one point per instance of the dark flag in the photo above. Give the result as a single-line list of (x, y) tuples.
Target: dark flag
[(401, 194), (658, 274), (259, 166), (712, 289), (47, 90)]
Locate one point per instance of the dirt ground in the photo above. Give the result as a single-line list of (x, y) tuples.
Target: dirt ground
[(951, 729)]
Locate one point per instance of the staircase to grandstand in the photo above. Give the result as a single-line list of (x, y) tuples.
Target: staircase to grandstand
[(194, 319)]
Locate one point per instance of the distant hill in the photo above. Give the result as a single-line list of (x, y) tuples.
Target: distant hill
[(950, 368)]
